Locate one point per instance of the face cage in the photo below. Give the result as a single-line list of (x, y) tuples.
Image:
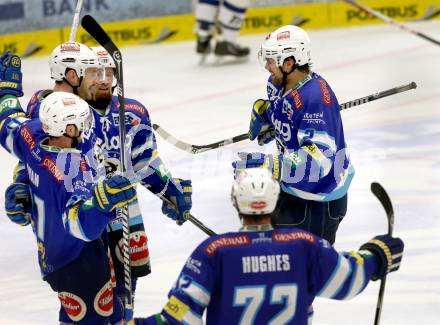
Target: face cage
[(275, 55)]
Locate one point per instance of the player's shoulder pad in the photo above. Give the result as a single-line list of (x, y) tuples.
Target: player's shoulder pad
[(35, 101), (214, 244)]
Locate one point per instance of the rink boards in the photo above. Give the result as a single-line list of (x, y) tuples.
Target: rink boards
[(258, 20)]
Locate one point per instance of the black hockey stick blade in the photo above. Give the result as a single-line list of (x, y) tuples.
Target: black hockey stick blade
[(194, 149), (94, 28), (385, 200)]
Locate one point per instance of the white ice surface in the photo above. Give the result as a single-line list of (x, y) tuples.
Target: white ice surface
[(394, 141)]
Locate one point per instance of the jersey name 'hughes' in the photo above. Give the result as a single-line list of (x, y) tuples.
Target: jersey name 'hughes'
[(265, 263)]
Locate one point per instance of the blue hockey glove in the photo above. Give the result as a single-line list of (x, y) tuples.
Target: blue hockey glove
[(10, 75), (257, 159), (179, 193), (112, 193), (389, 250), (259, 122), (18, 203)]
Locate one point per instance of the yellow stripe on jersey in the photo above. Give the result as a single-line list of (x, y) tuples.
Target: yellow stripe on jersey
[(176, 308)]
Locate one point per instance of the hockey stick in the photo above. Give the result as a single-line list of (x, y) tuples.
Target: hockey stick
[(384, 199), (392, 21), (194, 149), (194, 220), (96, 31), (75, 21)]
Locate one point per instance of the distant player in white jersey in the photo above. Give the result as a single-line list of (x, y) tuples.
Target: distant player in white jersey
[(312, 162), (225, 17), (261, 275)]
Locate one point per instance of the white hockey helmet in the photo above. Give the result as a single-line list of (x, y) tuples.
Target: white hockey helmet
[(255, 191), (285, 42), (71, 55), (60, 109), (104, 57)]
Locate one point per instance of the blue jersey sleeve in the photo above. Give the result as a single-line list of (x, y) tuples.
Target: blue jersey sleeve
[(15, 136), (191, 292), (83, 220), (145, 158), (341, 276)]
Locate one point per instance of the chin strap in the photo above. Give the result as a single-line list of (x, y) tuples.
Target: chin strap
[(74, 88), (75, 141), (286, 74)]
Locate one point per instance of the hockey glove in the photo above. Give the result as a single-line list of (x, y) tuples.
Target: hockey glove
[(112, 193), (18, 203), (259, 123), (257, 159), (389, 251), (10, 75), (179, 194)]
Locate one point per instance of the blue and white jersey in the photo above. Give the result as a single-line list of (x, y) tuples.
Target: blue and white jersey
[(63, 215), (264, 277), (310, 137), (102, 143), (141, 148)]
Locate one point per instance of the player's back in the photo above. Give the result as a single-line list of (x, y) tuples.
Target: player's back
[(51, 187), (261, 277)]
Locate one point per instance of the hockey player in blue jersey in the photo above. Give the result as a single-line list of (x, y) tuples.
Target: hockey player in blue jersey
[(144, 157), (69, 214), (261, 275), (66, 64), (227, 17), (312, 162)]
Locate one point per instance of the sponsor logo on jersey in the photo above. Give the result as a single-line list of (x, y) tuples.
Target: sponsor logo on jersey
[(292, 236), (28, 138), (262, 238), (73, 305), (139, 254), (193, 264), (133, 107), (314, 118), (297, 100), (283, 129), (225, 242), (176, 308), (326, 96), (103, 302), (8, 103), (53, 169)]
